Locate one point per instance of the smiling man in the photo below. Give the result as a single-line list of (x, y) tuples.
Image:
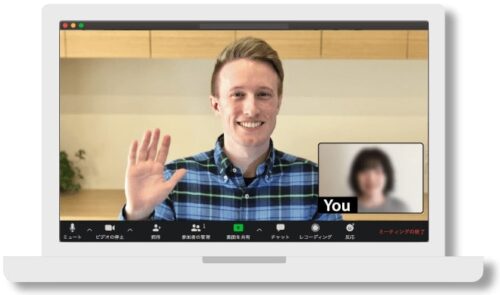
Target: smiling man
[(244, 177)]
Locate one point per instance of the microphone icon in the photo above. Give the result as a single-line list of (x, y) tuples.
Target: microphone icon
[(72, 227)]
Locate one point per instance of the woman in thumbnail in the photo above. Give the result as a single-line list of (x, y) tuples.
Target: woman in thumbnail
[(372, 179)]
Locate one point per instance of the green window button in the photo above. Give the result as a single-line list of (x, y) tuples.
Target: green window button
[(238, 227)]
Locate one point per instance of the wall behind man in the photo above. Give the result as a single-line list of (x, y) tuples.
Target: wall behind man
[(107, 103)]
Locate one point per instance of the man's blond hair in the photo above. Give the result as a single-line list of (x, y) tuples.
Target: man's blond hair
[(251, 48)]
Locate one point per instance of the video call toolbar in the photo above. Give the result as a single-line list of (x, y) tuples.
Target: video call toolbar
[(243, 231)]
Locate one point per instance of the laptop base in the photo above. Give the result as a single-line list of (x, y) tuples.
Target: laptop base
[(242, 269)]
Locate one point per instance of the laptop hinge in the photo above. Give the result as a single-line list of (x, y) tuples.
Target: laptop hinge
[(244, 259)]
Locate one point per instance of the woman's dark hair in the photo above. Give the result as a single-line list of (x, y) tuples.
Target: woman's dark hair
[(369, 159)]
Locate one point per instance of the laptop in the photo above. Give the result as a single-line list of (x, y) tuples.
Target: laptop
[(243, 143)]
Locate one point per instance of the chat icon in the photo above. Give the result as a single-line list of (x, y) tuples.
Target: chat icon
[(280, 226)]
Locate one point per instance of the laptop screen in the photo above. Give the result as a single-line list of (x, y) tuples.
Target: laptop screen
[(243, 131)]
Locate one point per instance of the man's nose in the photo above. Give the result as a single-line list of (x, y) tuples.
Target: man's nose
[(250, 107)]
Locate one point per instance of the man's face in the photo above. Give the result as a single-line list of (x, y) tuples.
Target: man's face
[(248, 101)]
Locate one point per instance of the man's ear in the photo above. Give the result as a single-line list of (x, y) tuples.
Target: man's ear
[(214, 104)]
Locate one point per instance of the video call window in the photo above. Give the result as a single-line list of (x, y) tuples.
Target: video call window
[(160, 124)]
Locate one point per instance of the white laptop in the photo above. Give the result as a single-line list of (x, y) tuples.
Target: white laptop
[(243, 143)]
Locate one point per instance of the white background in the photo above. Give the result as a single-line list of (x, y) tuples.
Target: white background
[(336, 159), (473, 162)]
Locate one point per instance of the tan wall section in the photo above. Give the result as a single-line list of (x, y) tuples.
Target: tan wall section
[(107, 44)]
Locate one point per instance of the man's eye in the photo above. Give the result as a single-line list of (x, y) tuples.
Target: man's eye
[(264, 94), (238, 94)]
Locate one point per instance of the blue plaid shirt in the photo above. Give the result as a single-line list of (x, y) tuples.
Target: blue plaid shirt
[(285, 188)]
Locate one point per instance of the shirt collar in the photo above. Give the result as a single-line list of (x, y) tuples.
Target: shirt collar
[(225, 167)]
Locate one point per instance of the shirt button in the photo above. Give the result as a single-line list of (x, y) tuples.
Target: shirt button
[(234, 170), (247, 196), (225, 178)]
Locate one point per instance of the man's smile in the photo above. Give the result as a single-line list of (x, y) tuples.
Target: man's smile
[(250, 124)]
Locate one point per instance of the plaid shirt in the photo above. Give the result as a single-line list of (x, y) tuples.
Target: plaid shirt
[(285, 188)]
